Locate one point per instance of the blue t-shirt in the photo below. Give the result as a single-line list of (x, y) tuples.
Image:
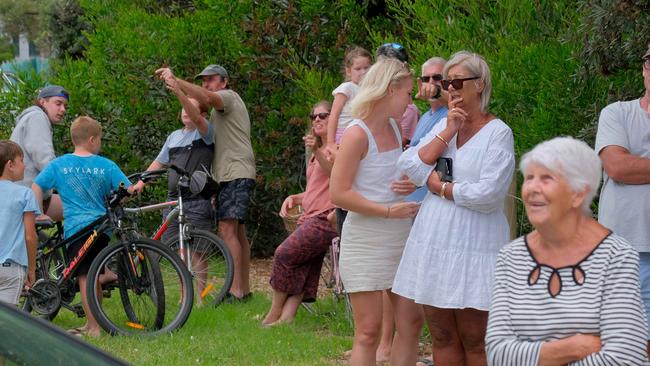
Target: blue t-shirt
[(16, 200), (83, 182), (426, 123)]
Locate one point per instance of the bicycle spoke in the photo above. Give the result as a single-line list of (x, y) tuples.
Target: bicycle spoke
[(151, 291)]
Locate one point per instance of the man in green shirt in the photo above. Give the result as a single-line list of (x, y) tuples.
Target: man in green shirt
[(233, 166)]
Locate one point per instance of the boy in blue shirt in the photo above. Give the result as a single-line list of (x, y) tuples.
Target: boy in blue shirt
[(18, 238), (83, 180)]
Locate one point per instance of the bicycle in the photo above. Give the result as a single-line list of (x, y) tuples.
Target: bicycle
[(155, 290), (331, 278), (205, 255)]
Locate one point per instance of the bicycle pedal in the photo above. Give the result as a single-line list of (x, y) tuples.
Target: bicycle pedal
[(79, 311)]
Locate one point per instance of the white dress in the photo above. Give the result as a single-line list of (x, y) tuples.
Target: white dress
[(371, 247), (450, 255)]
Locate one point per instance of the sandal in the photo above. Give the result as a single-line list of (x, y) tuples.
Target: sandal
[(424, 361), (232, 299)]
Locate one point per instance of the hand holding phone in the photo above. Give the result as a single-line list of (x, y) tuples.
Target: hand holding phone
[(445, 168)]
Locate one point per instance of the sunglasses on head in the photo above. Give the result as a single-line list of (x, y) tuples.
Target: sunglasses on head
[(323, 115), (395, 46), (456, 83), (435, 77)]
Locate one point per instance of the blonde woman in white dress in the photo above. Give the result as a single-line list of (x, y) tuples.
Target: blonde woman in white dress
[(365, 181)]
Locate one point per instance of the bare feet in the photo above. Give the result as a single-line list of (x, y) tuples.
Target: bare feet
[(85, 331), (271, 317)]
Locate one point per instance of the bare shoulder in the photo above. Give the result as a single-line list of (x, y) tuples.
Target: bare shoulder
[(354, 141)]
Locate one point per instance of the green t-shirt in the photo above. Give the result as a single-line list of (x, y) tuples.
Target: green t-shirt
[(233, 153)]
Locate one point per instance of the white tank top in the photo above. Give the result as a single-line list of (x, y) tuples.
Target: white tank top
[(377, 170)]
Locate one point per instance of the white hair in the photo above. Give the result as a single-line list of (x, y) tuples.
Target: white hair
[(433, 61), (477, 66), (578, 163)]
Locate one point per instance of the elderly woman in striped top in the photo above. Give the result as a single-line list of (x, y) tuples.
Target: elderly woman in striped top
[(568, 292)]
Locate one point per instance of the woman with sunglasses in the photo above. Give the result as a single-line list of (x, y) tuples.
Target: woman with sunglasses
[(297, 261), (449, 258)]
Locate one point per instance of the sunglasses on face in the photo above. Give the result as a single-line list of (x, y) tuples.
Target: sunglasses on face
[(323, 115), (434, 77), (646, 63), (456, 83)]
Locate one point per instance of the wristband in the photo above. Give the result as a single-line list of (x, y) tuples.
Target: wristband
[(388, 212), (442, 190), (442, 139)]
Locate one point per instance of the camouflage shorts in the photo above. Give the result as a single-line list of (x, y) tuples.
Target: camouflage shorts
[(234, 198)]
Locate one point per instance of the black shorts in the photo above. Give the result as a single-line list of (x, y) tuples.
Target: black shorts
[(72, 250), (234, 198)]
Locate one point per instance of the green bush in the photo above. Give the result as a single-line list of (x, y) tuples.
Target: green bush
[(537, 52), (266, 46), (554, 67)]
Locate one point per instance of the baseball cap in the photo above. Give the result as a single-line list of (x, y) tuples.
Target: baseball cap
[(213, 69), (53, 91), (647, 53)]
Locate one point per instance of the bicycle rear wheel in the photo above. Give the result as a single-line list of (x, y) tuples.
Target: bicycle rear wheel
[(155, 289), (212, 265)]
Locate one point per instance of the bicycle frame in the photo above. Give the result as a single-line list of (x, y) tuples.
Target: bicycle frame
[(176, 212), (111, 220)]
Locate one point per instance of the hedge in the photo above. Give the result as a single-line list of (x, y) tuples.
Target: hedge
[(550, 73)]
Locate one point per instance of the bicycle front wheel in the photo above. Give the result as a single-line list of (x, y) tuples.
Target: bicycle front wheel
[(211, 264), (154, 289)]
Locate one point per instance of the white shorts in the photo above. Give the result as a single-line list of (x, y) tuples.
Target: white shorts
[(12, 278)]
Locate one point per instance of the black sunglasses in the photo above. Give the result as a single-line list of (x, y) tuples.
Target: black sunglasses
[(323, 115), (456, 83), (435, 77)]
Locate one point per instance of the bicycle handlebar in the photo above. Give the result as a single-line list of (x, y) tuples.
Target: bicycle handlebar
[(116, 196), (179, 170), (147, 176)]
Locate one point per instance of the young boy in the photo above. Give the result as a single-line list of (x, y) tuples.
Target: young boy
[(83, 180), (18, 238)]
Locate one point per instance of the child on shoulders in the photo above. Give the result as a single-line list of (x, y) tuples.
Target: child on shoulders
[(357, 62)]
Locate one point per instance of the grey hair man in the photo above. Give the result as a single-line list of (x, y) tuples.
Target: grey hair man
[(430, 90)]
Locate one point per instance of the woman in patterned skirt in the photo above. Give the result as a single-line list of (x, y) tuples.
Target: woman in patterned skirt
[(298, 260)]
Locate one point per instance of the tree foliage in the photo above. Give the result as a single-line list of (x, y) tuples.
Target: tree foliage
[(553, 65)]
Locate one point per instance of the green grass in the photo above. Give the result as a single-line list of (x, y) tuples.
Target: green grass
[(231, 335)]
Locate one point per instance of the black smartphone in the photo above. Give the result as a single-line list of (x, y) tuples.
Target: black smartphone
[(445, 167)]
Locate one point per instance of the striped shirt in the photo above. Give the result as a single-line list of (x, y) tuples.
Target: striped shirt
[(608, 303)]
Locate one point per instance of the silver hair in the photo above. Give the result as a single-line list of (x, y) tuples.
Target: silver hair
[(433, 61), (476, 65), (578, 163)]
